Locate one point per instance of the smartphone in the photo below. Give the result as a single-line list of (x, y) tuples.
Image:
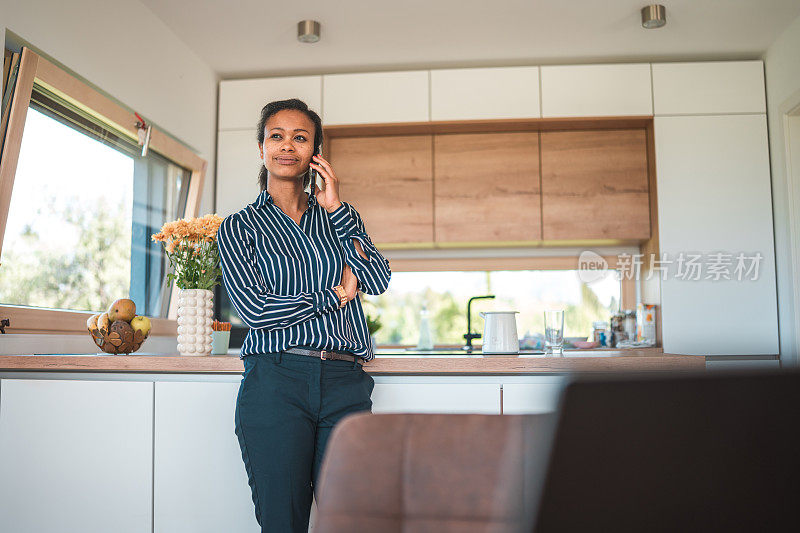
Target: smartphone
[(312, 173)]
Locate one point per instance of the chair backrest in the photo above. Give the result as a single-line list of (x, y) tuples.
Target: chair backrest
[(706, 452), (428, 472)]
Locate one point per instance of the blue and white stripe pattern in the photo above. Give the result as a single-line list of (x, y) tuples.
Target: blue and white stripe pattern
[(280, 276)]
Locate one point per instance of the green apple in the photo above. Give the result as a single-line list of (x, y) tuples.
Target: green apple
[(141, 323)]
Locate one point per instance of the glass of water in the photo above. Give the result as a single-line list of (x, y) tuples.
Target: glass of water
[(554, 332)]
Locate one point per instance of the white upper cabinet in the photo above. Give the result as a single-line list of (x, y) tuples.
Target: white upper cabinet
[(376, 97), (708, 88), (485, 93), (238, 165), (240, 101), (596, 90)]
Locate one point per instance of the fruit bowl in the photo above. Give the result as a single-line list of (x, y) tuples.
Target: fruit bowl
[(120, 330)]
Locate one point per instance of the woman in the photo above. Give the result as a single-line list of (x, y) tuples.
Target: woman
[(292, 263)]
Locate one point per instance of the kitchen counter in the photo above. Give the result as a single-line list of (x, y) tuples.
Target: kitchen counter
[(386, 362)]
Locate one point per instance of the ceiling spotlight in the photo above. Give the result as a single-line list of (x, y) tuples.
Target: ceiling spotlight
[(654, 16), (308, 31)]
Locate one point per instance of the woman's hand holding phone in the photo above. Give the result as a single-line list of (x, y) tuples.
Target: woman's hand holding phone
[(328, 194), (349, 282)]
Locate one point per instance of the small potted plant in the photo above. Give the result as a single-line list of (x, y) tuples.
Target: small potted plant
[(373, 325)]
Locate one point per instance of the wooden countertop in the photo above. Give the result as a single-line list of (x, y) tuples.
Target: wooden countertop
[(634, 359)]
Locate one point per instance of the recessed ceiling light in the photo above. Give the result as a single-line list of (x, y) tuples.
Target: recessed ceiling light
[(654, 16), (308, 31)]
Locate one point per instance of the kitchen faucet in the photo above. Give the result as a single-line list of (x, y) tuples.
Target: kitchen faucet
[(469, 335)]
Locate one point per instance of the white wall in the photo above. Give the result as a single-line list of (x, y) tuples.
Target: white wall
[(782, 72), (121, 47)]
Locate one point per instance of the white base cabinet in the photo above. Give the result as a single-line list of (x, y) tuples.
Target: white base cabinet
[(540, 395), (158, 453), (75, 456), (200, 483), (483, 398)]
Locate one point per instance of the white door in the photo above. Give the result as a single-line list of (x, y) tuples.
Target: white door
[(714, 202), (75, 456), (200, 483)]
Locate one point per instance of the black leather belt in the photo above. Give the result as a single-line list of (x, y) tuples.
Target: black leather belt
[(325, 354)]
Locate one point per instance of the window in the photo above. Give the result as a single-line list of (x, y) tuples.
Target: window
[(525, 284), (445, 295), (76, 220)]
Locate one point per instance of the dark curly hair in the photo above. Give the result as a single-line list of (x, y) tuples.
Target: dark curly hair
[(279, 105)]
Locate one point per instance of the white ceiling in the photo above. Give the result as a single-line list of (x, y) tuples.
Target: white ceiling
[(245, 38)]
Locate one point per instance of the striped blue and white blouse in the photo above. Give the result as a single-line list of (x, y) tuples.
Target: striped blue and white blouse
[(280, 276)]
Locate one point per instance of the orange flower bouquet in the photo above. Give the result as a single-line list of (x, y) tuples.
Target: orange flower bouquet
[(191, 247)]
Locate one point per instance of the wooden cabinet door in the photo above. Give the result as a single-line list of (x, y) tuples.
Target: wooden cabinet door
[(389, 181), (487, 187), (594, 185)]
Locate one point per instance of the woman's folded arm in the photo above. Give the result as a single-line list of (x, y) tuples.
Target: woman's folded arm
[(373, 273)]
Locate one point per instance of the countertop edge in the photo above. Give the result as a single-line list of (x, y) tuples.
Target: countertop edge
[(647, 359)]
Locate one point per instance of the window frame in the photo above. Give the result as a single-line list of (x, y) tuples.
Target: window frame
[(35, 69)]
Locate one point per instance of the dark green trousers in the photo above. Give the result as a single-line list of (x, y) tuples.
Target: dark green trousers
[(286, 409)]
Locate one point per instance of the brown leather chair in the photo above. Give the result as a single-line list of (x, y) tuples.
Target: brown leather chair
[(433, 473)]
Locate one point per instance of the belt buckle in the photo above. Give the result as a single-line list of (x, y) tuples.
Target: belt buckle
[(322, 355)]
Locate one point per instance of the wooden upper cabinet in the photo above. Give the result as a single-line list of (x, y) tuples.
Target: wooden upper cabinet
[(594, 185), (389, 181), (487, 187)]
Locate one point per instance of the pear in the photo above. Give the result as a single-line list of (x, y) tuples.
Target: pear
[(141, 323), (122, 309), (91, 323), (103, 323)]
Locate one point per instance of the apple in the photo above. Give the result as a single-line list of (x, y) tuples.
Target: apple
[(103, 323), (122, 309), (141, 323), (91, 323)]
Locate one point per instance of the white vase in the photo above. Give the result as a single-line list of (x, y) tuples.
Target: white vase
[(195, 314)]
